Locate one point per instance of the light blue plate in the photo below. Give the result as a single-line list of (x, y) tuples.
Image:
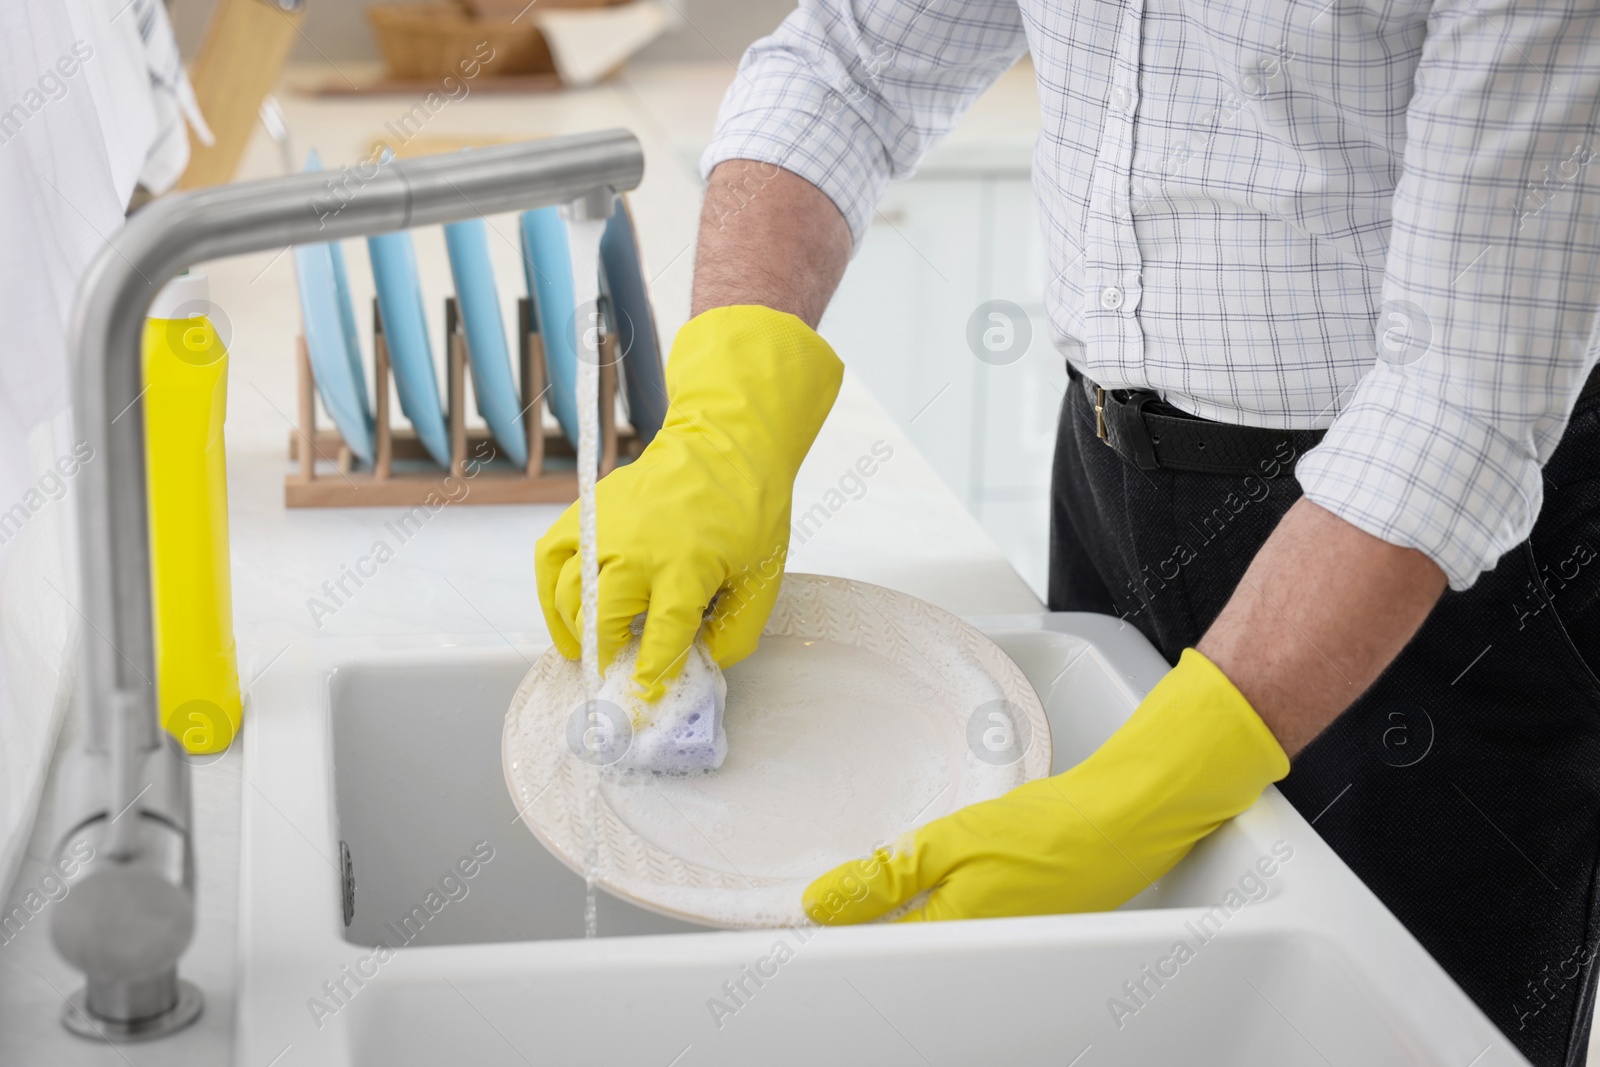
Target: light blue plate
[(633, 323), (499, 401), (332, 341), (549, 257), (405, 328), (527, 277), (347, 316)]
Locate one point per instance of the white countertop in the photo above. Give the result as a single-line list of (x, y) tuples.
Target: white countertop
[(470, 570), (995, 136)]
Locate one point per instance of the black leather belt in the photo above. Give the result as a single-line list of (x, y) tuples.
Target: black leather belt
[(1150, 433)]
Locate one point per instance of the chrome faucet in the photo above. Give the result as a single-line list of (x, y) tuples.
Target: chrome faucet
[(125, 791)]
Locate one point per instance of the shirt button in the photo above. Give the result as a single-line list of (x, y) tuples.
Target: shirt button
[(1111, 297), (1121, 99)]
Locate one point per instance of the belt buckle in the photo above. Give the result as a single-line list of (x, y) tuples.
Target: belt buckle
[(1100, 415)]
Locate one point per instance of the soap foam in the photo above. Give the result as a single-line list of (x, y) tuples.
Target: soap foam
[(681, 733)]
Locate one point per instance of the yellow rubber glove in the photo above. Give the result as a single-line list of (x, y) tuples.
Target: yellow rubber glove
[(1193, 755), (704, 511)]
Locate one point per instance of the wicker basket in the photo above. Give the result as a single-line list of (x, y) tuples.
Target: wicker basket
[(433, 41)]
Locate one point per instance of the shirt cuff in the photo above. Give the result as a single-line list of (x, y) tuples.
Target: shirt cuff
[(1413, 469), (783, 116)]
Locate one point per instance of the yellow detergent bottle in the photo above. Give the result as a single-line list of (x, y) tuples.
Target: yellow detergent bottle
[(185, 402)]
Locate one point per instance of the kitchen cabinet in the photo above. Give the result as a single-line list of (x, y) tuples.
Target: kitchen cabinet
[(941, 246)]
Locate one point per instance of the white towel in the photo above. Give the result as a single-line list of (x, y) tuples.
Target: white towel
[(79, 125), (172, 98), (589, 43)]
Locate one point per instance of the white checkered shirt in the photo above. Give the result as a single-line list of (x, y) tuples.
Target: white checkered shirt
[(1377, 217)]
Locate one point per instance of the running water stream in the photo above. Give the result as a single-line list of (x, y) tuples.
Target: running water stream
[(583, 238)]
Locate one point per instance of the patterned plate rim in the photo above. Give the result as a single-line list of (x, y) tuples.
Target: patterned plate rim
[(1001, 669)]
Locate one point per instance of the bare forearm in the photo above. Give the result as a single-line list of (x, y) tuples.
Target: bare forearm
[(1322, 610), (768, 237)]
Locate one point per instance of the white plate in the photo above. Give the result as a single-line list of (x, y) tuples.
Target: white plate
[(864, 713)]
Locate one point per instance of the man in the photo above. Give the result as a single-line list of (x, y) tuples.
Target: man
[(1325, 275)]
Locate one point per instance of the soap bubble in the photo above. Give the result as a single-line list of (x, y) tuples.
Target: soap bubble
[(682, 732)]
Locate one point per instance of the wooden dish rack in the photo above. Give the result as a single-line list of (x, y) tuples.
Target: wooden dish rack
[(327, 475)]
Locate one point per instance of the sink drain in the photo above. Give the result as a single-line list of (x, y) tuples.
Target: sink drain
[(347, 882)]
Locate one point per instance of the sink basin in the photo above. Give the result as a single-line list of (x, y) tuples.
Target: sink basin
[(395, 912), (418, 789)]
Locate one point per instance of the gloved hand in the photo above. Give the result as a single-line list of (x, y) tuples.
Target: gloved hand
[(1192, 755), (704, 511)]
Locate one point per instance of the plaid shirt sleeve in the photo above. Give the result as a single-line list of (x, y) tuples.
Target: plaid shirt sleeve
[(852, 95), (1487, 326)]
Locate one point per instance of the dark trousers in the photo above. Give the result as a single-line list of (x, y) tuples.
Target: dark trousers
[(1464, 786)]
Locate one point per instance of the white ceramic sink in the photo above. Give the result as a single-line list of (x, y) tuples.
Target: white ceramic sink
[(389, 749)]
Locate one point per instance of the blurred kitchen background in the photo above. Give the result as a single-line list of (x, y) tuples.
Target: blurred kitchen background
[(337, 30), (928, 315)]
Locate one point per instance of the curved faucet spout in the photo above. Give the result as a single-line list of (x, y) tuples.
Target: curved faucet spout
[(125, 795)]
